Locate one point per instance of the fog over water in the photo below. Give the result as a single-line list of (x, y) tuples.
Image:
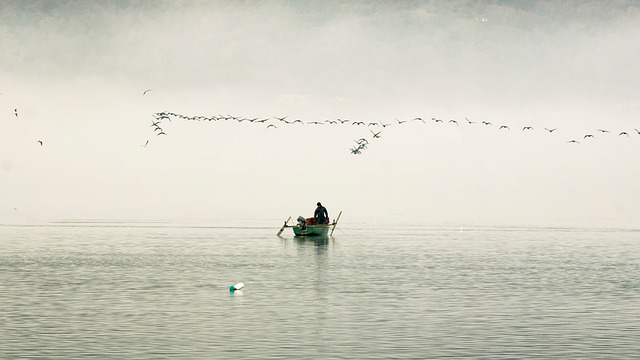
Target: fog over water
[(76, 73)]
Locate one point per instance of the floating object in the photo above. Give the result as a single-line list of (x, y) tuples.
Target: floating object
[(234, 287), (308, 227)]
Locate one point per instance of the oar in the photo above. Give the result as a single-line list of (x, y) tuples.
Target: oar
[(284, 226), (335, 223)]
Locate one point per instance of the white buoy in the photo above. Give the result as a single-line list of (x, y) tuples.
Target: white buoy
[(234, 287)]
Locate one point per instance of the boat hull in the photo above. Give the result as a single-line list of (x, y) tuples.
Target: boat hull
[(312, 230)]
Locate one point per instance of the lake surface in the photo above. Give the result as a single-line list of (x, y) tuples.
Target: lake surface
[(152, 290)]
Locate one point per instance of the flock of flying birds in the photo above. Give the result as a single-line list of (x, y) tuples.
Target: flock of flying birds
[(361, 143)]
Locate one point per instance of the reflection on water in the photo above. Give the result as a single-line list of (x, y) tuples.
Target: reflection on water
[(407, 292)]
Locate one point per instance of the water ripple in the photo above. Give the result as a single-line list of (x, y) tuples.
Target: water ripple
[(146, 292)]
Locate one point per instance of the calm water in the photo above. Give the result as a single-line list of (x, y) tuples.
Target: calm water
[(160, 290)]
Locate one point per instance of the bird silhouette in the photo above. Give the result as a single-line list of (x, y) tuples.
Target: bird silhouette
[(453, 121), (419, 119), (281, 118), (527, 128), (603, 130), (146, 91), (573, 141), (401, 122), (623, 133), (145, 144), (374, 124), (15, 112), (469, 121), (40, 141), (588, 135), (161, 133), (271, 125), (550, 130), (486, 123), (357, 123), (638, 131), (503, 127), (376, 135)]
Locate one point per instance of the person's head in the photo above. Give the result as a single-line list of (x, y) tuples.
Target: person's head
[(319, 203)]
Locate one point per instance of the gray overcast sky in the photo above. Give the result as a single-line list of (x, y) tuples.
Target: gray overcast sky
[(76, 71)]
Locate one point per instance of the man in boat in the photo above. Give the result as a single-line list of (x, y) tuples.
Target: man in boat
[(321, 215)]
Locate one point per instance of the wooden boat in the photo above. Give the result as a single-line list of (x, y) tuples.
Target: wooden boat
[(308, 227)]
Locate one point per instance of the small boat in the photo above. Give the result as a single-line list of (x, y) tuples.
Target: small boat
[(309, 227)]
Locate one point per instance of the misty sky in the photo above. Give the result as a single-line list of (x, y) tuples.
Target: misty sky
[(76, 71)]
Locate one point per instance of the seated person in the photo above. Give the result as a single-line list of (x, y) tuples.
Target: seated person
[(321, 215)]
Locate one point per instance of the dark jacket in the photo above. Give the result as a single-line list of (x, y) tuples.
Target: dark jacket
[(321, 215)]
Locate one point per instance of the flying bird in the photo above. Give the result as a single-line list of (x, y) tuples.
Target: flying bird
[(503, 127), (401, 122), (281, 118), (146, 91), (436, 120), (588, 135), (40, 141), (357, 123), (603, 130), (486, 123), (469, 121), (15, 112), (145, 144), (527, 128), (623, 133), (550, 130), (271, 125), (419, 119), (376, 135), (573, 141), (453, 121)]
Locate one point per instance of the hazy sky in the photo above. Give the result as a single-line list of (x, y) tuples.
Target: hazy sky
[(76, 71)]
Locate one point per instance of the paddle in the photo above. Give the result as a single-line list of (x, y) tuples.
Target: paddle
[(335, 223), (284, 226)]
